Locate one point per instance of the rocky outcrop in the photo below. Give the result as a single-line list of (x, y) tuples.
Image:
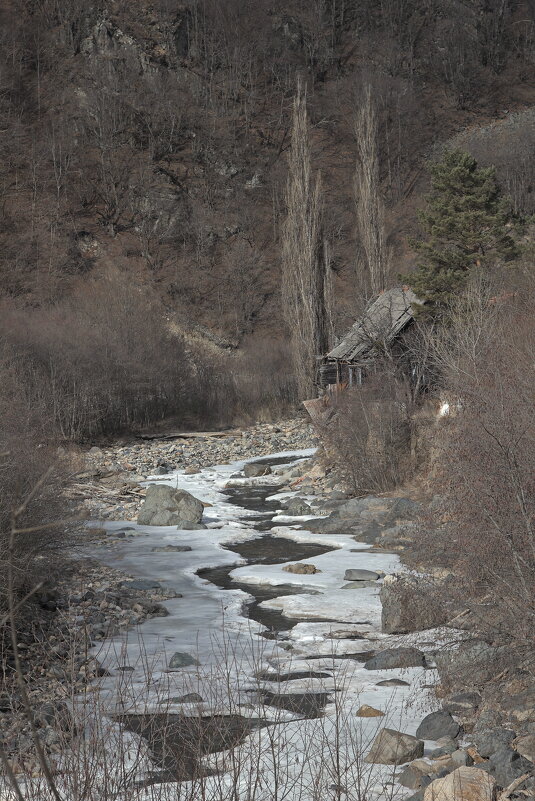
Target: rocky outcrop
[(166, 506)]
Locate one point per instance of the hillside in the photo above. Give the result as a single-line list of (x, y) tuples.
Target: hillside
[(147, 140)]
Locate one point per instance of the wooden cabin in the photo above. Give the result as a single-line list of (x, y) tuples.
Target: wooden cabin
[(378, 331)]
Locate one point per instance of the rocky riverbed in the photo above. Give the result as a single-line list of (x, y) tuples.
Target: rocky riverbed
[(300, 645)]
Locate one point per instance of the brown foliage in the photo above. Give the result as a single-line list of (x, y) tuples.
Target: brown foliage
[(483, 531), (367, 439)]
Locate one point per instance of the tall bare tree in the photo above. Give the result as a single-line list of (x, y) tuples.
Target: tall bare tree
[(306, 285), (368, 200)]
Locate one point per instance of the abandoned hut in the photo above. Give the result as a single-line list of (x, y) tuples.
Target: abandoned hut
[(380, 330)]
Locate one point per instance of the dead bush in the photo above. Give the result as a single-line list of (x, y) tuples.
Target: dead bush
[(367, 439), (482, 531), (41, 537), (230, 388)]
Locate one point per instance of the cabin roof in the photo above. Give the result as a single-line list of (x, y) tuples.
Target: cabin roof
[(382, 321)]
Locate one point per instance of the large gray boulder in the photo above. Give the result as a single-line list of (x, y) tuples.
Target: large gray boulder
[(490, 741), (507, 765), (166, 506), (436, 725), (396, 658), (475, 660), (359, 574), (392, 747)]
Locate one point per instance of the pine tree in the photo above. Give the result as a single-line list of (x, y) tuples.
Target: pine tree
[(466, 221)]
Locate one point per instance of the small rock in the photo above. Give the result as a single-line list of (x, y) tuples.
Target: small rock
[(436, 725), (181, 659), (254, 469), (366, 711), (354, 574), (462, 703), (392, 683), (301, 569), (166, 548), (525, 746), (396, 658), (392, 747)]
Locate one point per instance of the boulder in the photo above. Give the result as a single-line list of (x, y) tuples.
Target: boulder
[(358, 574), (468, 784), (488, 741), (392, 747), (297, 506), (411, 777), (188, 698), (462, 703), (396, 658), (406, 608), (255, 469), (192, 470), (436, 725), (507, 765), (167, 506), (181, 659), (393, 683), (366, 711), (445, 745), (301, 569), (525, 746)]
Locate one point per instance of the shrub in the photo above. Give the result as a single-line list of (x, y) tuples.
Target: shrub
[(367, 439)]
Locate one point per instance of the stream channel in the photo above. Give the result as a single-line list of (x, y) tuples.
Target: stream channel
[(208, 706)]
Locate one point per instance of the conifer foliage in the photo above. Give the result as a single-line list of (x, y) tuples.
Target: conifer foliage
[(467, 222)]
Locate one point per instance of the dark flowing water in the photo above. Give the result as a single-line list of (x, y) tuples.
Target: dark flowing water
[(268, 550)]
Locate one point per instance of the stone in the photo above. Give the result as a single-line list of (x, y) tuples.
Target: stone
[(525, 745), (405, 608), (507, 765), (254, 469), (166, 548), (192, 470), (446, 747), (366, 711), (185, 525), (436, 725), (167, 506), (392, 747), (466, 783), (462, 703), (488, 741), (181, 659), (297, 506), (396, 658), (358, 574), (410, 777), (393, 683), (301, 569)]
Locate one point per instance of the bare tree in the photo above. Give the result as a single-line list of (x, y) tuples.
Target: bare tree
[(305, 286), (368, 201)]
